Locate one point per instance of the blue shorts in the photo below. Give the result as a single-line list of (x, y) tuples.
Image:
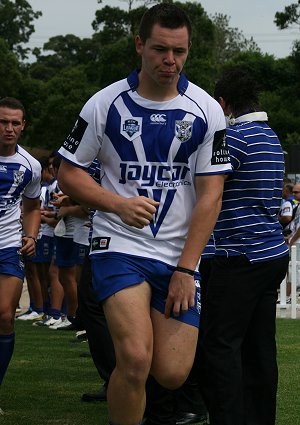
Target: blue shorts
[(43, 250), (113, 272), (11, 262), (82, 251), (66, 252)]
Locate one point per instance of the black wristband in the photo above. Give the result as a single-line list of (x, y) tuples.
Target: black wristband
[(184, 270)]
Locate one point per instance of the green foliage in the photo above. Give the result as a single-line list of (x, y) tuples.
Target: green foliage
[(290, 16), (229, 41), (16, 24), (69, 69), (10, 73), (57, 107)]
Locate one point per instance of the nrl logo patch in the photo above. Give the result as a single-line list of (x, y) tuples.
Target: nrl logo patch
[(183, 130), (18, 177), (131, 127)]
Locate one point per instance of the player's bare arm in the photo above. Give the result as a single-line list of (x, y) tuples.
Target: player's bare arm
[(31, 223), (136, 211), (209, 191)]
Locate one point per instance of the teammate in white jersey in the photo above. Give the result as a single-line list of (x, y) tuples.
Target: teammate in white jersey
[(20, 181), (160, 141)]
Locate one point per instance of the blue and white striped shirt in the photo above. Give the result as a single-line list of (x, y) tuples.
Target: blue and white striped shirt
[(248, 221)]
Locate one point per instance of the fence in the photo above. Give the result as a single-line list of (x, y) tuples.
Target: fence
[(291, 309)]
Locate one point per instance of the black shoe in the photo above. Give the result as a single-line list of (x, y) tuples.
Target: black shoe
[(96, 396), (185, 418)]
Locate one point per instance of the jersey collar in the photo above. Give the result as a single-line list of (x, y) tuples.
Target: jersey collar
[(253, 116), (133, 81)]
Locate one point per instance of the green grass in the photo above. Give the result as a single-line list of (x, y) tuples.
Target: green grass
[(47, 376)]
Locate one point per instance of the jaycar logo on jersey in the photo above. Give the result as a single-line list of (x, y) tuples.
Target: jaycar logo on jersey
[(3, 168), (183, 130), (74, 138), (220, 153), (131, 127)]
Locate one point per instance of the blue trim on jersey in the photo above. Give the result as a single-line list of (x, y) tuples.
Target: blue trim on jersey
[(72, 163), (248, 222), (133, 81)]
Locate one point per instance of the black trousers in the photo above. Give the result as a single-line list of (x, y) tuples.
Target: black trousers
[(91, 314), (237, 356)]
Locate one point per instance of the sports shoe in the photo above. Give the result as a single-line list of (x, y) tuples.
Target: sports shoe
[(81, 336), (31, 316), (24, 314), (62, 323), (48, 321), (1, 412)]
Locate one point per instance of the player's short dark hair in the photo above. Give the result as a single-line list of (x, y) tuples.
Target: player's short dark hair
[(56, 162), (12, 103), (239, 90), (167, 15), (44, 161)]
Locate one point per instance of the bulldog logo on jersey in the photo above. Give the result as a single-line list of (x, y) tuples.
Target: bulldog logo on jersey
[(131, 128), (183, 130), (18, 177)]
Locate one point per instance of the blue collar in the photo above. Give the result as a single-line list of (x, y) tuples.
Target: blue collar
[(133, 81)]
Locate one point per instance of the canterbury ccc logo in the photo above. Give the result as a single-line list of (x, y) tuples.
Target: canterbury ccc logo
[(158, 118)]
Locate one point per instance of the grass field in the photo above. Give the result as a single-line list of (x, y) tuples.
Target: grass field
[(47, 376)]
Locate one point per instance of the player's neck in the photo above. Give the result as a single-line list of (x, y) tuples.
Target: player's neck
[(7, 150), (157, 92)]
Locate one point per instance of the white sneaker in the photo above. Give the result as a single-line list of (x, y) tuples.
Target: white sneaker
[(48, 321), (31, 316), (23, 314), (62, 323)]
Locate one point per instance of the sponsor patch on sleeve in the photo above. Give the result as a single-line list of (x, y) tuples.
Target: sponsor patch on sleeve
[(74, 138), (220, 153), (100, 243)]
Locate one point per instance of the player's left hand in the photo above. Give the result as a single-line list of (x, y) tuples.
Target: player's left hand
[(181, 295), (28, 247)]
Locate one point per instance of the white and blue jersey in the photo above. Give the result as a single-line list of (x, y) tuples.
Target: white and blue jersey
[(152, 149), (20, 175), (248, 222)]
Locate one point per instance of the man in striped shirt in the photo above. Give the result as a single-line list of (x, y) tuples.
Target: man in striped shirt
[(239, 347)]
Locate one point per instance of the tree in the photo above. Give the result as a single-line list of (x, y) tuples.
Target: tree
[(57, 106), (10, 73), (16, 24), (230, 41), (290, 16)]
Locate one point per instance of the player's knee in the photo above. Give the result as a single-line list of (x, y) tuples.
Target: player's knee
[(136, 366), (170, 378), (6, 321)]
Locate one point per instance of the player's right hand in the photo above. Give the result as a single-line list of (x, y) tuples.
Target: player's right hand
[(138, 211)]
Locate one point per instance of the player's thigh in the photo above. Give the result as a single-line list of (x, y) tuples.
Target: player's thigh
[(128, 317), (174, 349)]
